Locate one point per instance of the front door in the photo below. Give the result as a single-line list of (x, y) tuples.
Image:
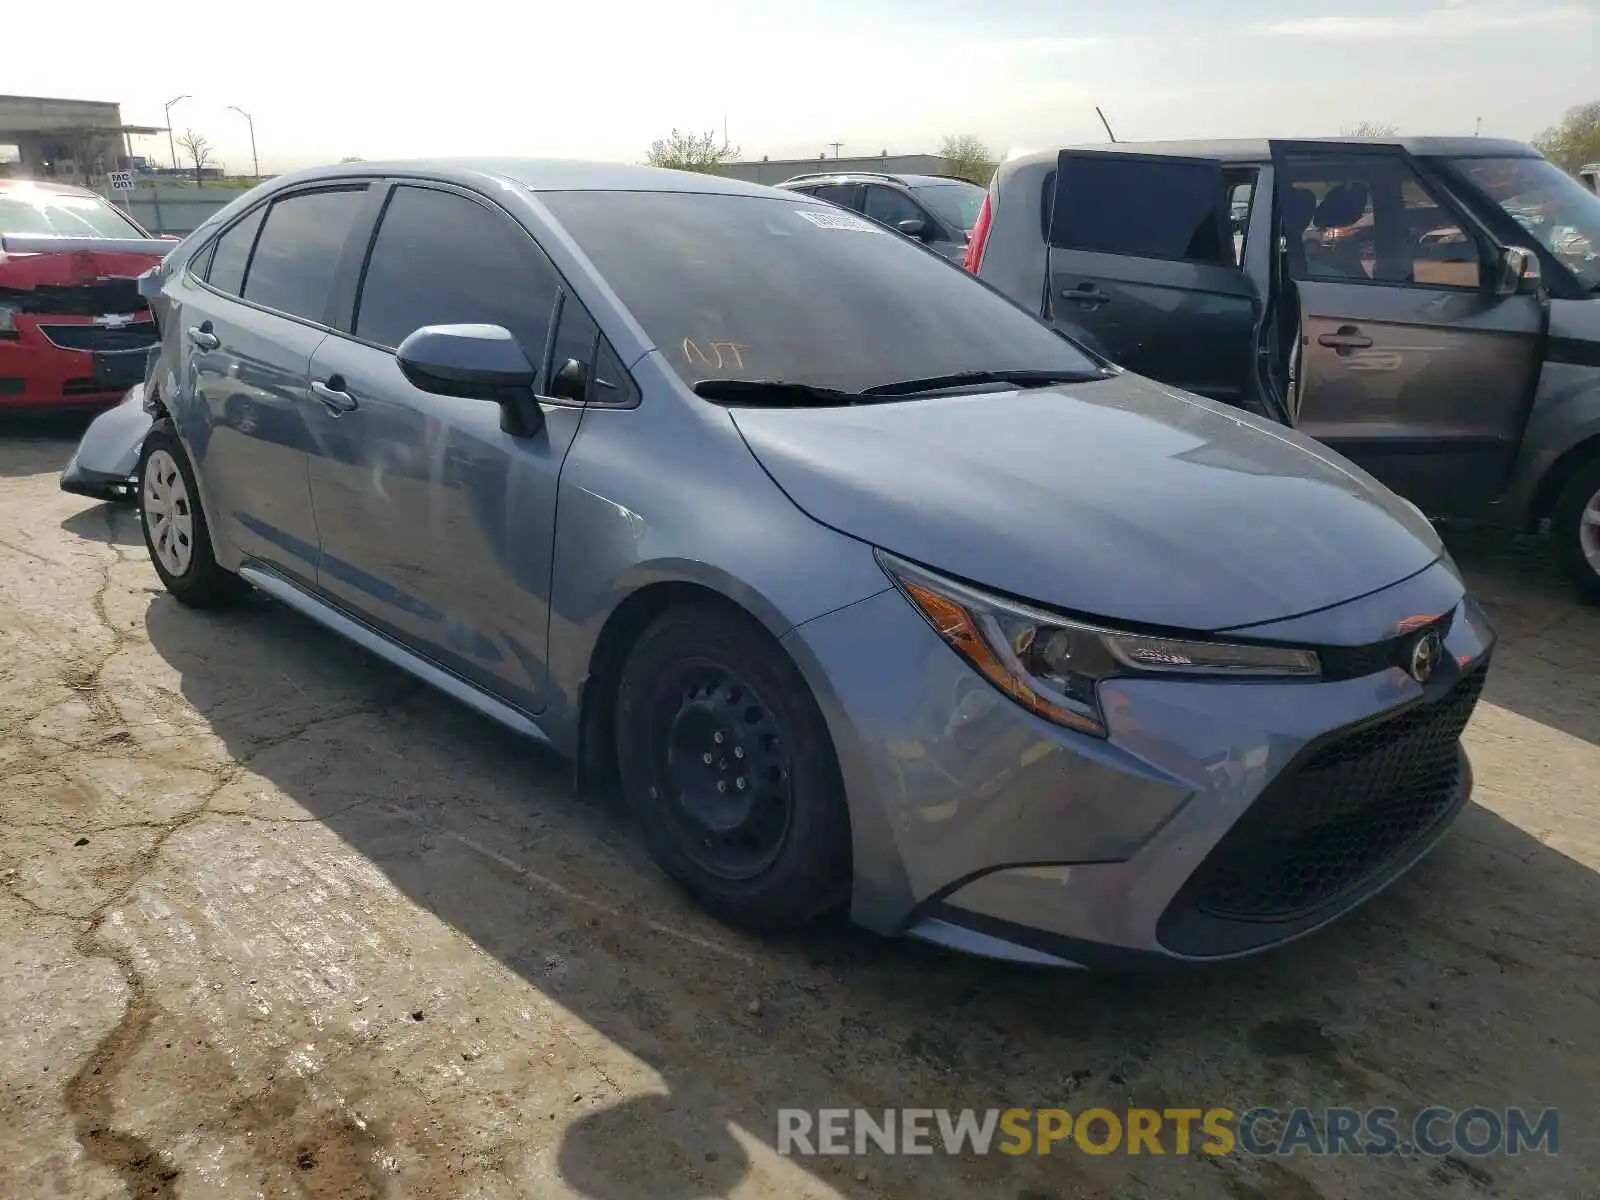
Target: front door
[(1404, 361), (1145, 267), (249, 335), (437, 525)]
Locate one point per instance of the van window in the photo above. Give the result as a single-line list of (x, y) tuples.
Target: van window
[(1145, 207)]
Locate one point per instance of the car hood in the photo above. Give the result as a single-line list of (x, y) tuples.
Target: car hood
[(1121, 499), (85, 282)]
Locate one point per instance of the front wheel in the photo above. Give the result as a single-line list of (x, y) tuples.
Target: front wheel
[(727, 762), (1576, 527)]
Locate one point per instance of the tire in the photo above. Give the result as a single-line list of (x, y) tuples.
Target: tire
[(174, 525), (1575, 524), (707, 682)]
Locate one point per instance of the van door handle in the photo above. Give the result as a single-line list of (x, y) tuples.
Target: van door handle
[(202, 336), (1086, 293), (332, 394), (1348, 338)]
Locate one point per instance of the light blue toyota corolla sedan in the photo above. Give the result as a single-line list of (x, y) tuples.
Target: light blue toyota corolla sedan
[(869, 588)]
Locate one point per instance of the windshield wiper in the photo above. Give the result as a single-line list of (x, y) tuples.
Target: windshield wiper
[(1021, 379), (772, 392)]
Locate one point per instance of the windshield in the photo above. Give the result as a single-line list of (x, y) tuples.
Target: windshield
[(1550, 204), (747, 287), (955, 203), (31, 210)]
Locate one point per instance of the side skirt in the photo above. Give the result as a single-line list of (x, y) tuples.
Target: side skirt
[(368, 639)]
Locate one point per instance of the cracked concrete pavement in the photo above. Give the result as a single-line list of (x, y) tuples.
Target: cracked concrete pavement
[(278, 921)]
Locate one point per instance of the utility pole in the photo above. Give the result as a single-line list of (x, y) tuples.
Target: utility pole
[(255, 163), (171, 147), (836, 146), (1477, 127), (1105, 122)]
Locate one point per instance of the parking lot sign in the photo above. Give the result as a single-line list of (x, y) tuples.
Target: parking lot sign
[(122, 181)]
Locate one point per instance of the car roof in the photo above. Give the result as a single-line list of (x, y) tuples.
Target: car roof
[(1251, 150), (868, 176), (540, 175), (49, 186)]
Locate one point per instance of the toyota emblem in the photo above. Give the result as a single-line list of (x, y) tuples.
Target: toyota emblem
[(1426, 652)]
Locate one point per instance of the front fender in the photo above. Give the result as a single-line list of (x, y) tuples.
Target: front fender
[(669, 493)]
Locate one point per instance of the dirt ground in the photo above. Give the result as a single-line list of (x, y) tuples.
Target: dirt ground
[(277, 921)]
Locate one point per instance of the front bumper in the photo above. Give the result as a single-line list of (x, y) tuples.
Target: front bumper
[(103, 463), (980, 826), (37, 373)]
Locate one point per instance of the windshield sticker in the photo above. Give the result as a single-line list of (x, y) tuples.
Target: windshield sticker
[(824, 219), (724, 355)]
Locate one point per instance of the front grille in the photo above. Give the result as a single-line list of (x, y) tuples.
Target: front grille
[(99, 337), (1338, 818)]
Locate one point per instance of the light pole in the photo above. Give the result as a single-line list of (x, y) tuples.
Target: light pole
[(167, 110), (255, 162)]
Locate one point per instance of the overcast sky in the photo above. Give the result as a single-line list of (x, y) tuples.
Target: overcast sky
[(601, 78)]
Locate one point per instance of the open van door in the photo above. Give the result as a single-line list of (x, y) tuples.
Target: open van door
[(1413, 356), (1144, 264)]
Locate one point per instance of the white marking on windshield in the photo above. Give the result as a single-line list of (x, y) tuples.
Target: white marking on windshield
[(823, 219)]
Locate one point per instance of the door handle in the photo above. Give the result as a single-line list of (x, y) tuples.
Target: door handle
[(1347, 338), (333, 395), (1085, 293), (202, 336)]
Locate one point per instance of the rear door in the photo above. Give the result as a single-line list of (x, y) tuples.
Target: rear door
[(1405, 361), (249, 329), (1143, 260)]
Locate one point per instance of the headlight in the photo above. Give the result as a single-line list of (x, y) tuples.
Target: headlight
[(1052, 666)]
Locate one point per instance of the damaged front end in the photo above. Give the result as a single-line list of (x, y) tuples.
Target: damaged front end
[(73, 327)]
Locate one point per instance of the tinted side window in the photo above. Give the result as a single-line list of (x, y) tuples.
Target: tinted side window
[(613, 386), (230, 254), (442, 259), (1146, 208), (891, 207), (846, 195), (298, 251)]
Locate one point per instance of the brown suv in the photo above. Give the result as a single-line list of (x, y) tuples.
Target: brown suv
[(1428, 307)]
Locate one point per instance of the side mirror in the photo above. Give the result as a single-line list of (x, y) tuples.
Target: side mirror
[(914, 227), (476, 362), (1515, 271)]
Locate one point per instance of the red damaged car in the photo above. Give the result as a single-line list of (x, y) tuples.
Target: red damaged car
[(73, 328)]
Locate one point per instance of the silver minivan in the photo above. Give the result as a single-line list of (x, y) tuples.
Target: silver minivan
[(1429, 308)]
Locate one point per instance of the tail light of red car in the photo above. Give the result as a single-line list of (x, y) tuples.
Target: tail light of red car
[(979, 235)]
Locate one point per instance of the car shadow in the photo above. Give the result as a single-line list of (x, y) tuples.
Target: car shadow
[(1547, 667), (1469, 981), (101, 523)]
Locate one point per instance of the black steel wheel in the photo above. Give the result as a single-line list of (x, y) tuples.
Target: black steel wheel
[(726, 760)]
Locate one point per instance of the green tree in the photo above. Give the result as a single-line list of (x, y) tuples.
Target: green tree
[(352, 158), (1576, 141), (967, 158), (704, 152), (1373, 129)]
